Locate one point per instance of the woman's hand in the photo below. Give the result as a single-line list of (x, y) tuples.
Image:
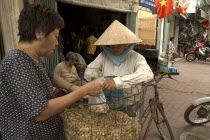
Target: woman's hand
[(93, 88), (78, 78), (93, 78), (109, 84)]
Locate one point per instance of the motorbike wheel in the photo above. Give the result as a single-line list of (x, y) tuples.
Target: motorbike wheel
[(197, 115), (190, 57)]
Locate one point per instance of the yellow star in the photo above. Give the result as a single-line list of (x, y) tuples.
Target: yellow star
[(163, 3)]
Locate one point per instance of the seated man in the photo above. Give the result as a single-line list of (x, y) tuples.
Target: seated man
[(66, 69)]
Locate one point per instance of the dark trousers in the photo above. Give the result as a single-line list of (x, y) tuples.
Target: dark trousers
[(88, 58)]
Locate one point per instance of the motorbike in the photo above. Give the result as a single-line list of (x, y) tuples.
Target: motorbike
[(200, 51), (198, 112)]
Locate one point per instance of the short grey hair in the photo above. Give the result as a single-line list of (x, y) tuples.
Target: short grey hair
[(71, 56)]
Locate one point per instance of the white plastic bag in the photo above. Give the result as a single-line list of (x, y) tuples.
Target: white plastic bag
[(98, 104)]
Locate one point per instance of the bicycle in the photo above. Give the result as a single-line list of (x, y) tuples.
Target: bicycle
[(190, 29), (131, 106), (156, 111)]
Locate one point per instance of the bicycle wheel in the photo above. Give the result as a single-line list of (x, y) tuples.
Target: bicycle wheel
[(162, 124), (192, 31), (197, 115), (190, 57)]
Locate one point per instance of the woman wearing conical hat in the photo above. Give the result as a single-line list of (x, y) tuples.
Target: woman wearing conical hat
[(118, 60)]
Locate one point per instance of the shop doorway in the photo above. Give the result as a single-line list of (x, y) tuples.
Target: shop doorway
[(81, 19)]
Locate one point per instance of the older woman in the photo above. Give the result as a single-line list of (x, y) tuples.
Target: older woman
[(66, 69), (28, 108), (118, 62)]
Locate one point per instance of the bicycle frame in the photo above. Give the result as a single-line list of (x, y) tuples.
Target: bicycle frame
[(151, 108), (156, 111)]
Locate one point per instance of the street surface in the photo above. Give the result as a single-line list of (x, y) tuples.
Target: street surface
[(192, 83)]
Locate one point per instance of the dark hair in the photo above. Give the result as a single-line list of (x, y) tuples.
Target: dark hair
[(38, 17), (91, 31), (171, 38), (72, 30)]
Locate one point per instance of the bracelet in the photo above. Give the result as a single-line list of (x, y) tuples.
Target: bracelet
[(71, 86)]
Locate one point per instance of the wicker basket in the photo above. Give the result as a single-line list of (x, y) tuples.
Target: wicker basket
[(121, 122)]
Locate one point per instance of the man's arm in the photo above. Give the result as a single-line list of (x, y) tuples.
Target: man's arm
[(94, 68), (61, 83), (57, 70)]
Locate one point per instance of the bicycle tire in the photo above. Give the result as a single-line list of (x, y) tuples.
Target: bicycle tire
[(192, 108), (192, 31), (190, 57), (162, 124)]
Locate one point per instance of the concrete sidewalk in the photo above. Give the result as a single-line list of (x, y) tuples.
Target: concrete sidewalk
[(192, 136), (192, 83)]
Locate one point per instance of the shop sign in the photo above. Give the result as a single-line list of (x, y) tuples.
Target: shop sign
[(192, 6), (204, 15), (147, 3), (183, 2)]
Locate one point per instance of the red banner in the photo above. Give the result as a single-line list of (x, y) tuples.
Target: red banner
[(163, 7)]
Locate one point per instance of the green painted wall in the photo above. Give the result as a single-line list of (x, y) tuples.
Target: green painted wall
[(131, 21)]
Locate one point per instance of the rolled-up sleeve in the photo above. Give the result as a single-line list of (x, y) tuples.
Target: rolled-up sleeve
[(142, 73), (94, 69)]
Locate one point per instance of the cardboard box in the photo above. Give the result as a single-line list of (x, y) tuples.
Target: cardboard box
[(163, 68)]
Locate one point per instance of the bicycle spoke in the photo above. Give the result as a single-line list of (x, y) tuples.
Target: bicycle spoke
[(163, 125), (197, 115), (154, 111)]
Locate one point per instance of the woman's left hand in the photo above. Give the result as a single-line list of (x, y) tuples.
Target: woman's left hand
[(78, 78), (109, 84)]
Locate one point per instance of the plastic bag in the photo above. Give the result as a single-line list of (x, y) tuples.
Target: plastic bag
[(98, 104), (116, 95)]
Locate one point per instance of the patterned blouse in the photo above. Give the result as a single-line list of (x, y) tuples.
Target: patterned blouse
[(25, 88)]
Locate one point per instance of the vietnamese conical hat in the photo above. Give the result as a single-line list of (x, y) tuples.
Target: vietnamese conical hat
[(117, 34)]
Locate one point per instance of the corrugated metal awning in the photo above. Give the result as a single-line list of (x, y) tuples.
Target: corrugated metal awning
[(112, 5)]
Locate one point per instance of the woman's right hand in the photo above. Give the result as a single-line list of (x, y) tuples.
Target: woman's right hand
[(93, 78), (93, 88)]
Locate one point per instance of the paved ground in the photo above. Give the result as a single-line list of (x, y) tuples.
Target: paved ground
[(193, 83)]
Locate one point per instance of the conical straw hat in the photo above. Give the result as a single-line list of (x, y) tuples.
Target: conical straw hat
[(117, 34)]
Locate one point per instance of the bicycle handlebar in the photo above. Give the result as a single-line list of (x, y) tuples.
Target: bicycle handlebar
[(157, 80)]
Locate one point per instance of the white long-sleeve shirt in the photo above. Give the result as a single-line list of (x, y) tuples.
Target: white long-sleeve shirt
[(133, 70)]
